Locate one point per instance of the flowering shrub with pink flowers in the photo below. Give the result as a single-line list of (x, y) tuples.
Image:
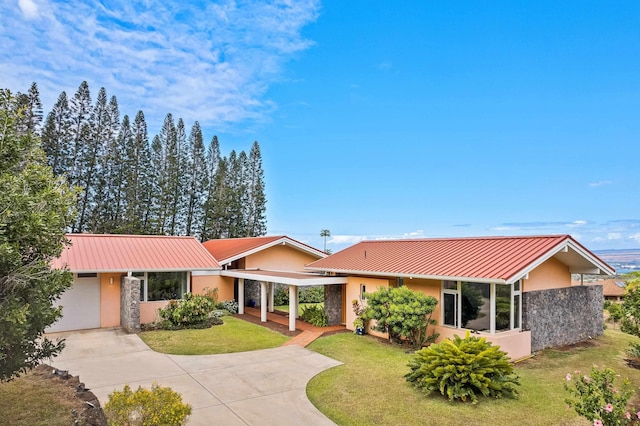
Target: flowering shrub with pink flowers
[(596, 397)]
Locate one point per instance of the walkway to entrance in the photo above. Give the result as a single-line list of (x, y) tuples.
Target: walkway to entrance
[(309, 332)]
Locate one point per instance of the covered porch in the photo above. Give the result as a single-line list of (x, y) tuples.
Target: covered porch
[(267, 279)]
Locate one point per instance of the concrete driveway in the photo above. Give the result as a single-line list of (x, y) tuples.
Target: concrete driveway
[(247, 388)]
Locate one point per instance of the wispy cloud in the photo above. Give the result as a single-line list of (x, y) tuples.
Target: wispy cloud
[(29, 8), (207, 61), (600, 183), (345, 240)]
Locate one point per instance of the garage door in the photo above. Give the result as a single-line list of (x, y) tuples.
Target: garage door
[(80, 306)]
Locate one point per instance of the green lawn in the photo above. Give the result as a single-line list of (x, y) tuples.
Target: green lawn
[(235, 335), (370, 388), (285, 308)]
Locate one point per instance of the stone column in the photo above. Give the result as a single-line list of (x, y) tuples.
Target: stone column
[(241, 296), (293, 308), (333, 303), (297, 300), (130, 304), (263, 301)]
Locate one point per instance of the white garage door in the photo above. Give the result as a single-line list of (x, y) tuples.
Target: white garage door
[(80, 306)]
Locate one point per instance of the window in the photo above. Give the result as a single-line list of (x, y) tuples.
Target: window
[(162, 285), (481, 306), (87, 275), (399, 282), (363, 290)]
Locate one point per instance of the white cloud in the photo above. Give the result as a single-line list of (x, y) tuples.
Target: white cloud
[(600, 183), (200, 61), (346, 239), (29, 8), (577, 223), (414, 234), (614, 236), (635, 237)]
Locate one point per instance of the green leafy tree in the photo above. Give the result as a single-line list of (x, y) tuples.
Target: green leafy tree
[(401, 312), (35, 210), (615, 312), (631, 305)]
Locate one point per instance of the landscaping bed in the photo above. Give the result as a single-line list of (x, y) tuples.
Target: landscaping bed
[(42, 397)]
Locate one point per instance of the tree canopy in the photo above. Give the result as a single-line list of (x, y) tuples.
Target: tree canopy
[(36, 209), (168, 184)]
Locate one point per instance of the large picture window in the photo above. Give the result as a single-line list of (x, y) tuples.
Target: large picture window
[(162, 285), (490, 308)]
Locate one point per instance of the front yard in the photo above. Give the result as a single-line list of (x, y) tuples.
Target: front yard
[(235, 335), (370, 388)]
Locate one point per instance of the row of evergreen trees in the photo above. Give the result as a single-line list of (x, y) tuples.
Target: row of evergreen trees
[(171, 186)]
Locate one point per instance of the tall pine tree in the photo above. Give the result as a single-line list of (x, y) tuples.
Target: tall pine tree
[(56, 137)]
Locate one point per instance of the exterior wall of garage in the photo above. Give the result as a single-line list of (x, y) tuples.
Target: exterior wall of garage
[(110, 299)]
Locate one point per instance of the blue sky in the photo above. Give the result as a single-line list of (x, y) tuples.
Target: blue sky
[(376, 119)]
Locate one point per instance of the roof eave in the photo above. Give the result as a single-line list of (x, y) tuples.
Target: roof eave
[(569, 242), (385, 274)]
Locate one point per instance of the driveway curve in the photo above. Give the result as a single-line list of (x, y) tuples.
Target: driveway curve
[(246, 388)]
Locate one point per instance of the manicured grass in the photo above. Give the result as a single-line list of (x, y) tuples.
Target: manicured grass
[(33, 399), (285, 308), (370, 388), (235, 335)]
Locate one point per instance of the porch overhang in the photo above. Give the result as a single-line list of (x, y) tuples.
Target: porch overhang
[(297, 279), (267, 278)]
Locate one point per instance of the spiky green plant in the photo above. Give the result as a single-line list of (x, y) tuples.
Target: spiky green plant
[(463, 369)]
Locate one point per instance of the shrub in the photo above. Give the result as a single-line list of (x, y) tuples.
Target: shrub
[(230, 306), (615, 312), (463, 369), (312, 294), (596, 398), (280, 295), (401, 312), (211, 293), (192, 310), (314, 315), (158, 406)]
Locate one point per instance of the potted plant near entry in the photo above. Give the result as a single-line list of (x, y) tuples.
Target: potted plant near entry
[(358, 324)]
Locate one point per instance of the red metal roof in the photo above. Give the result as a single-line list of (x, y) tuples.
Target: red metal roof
[(121, 253), (232, 248), (486, 258)]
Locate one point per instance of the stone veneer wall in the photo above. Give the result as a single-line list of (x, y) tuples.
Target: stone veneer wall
[(130, 304), (562, 316), (333, 303)]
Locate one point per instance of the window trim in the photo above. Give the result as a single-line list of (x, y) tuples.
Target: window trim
[(457, 292), (144, 295)]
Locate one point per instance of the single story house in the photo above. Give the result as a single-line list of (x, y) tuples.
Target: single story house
[(122, 280), (612, 289), (515, 291), (164, 268)]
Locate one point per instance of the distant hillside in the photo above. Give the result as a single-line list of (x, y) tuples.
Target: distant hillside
[(624, 260)]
